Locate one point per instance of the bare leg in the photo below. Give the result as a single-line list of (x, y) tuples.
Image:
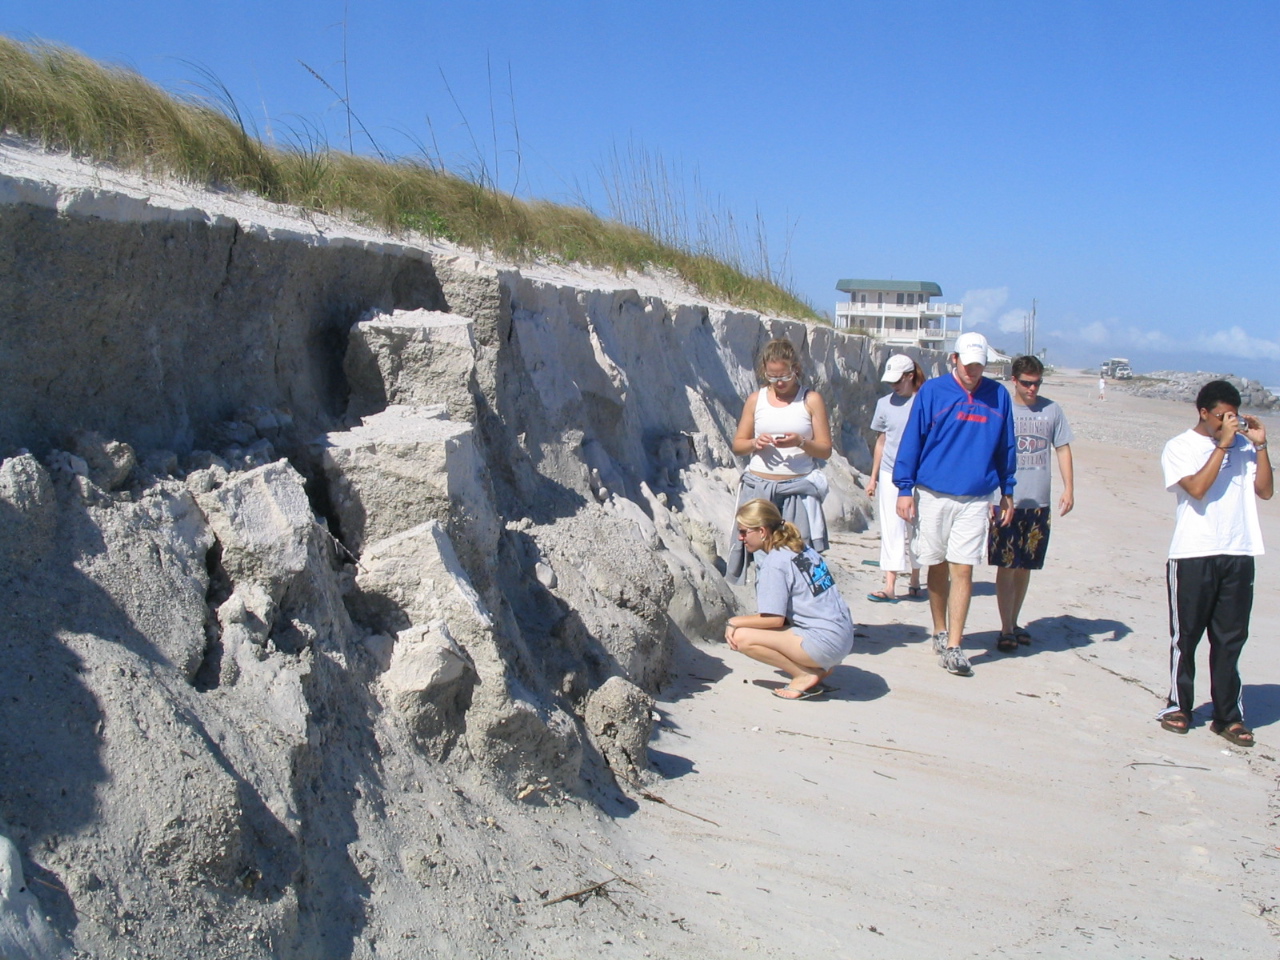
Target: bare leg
[(939, 588), (915, 577), (1021, 580), (890, 582), (961, 589), (1006, 592), (780, 649)]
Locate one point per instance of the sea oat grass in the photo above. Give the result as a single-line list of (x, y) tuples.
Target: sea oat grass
[(65, 101)]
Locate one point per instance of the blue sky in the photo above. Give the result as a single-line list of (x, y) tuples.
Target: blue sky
[(1117, 162)]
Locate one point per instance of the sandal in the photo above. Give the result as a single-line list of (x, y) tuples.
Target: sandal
[(1175, 722), (1021, 635), (1007, 643), (915, 593), (881, 597), (791, 693), (1236, 732)]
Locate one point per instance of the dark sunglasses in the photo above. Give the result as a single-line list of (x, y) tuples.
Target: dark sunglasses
[(1030, 383)]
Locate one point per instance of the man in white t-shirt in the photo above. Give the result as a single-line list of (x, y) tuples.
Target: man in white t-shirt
[(1215, 469)]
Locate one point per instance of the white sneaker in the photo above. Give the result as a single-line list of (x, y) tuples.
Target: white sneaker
[(940, 643), (954, 661)]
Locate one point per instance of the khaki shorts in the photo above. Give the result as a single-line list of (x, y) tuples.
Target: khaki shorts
[(950, 529)]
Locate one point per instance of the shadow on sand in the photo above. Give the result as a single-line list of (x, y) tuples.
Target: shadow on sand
[(1262, 704), (1054, 634)]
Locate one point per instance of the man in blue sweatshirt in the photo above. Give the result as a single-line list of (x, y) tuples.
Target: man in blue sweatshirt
[(958, 449)]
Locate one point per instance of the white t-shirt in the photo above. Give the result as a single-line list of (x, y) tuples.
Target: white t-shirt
[(1226, 520)]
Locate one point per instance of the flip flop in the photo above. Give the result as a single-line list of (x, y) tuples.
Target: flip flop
[(816, 691), (881, 597), (1176, 722), (1022, 636), (1236, 732)]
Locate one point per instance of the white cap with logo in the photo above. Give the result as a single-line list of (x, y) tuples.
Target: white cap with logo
[(972, 348), (899, 365)]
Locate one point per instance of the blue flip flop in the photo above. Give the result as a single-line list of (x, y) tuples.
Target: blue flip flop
[(881, 597)]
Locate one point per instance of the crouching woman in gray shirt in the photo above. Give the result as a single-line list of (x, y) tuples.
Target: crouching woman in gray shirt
[(803, 627)]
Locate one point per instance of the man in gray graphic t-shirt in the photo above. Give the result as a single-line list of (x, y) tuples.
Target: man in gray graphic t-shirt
[(1040, 427)]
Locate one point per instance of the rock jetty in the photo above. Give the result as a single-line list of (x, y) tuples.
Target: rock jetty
[(1183, 386)]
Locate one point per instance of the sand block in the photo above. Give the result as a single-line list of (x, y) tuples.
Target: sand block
[(619, 718), (401, 468), (412, 578), (264, 522), (412, 358), (28, 513)]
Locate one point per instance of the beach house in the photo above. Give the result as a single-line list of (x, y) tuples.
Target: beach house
[(902, 313)]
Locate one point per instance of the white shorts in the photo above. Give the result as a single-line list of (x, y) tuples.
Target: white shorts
[(950, 529)]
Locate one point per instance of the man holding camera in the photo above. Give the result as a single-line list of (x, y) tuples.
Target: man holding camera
[(1215, 469)]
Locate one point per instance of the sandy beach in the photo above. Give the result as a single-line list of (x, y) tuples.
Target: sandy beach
[(1034, 809)]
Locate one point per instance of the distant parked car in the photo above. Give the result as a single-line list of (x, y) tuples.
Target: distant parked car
[(1117, 368)]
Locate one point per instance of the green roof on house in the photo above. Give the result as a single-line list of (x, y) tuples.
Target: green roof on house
[(891, 286)]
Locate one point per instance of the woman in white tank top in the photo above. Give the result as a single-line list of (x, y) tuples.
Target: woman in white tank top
[(784, 429)]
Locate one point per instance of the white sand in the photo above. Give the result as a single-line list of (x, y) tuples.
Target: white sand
[(1034, 809)]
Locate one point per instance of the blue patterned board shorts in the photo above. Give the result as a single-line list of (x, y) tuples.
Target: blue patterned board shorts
[(1023, 543)]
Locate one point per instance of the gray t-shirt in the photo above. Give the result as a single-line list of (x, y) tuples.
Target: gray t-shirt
[(1040, 429), (799, 586), (890, 418)]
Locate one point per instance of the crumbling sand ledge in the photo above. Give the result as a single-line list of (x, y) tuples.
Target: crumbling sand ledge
[(351, 564)]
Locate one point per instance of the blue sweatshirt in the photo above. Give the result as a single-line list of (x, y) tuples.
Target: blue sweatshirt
[(958, 444)]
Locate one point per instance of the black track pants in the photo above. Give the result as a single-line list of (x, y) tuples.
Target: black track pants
[(1214, 594)]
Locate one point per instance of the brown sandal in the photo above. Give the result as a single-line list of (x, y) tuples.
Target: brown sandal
[(1236, 732), (1176, 722)]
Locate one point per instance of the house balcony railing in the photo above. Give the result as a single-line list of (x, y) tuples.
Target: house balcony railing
[(899, 309)]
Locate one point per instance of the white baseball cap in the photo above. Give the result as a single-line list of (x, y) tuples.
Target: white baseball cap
[(898, 366), (972, 348)]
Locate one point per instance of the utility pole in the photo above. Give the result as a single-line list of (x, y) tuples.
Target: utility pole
[(1029, 331)]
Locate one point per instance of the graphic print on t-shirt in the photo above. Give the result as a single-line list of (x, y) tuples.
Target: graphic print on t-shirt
[(816, 575), (1029, 449)]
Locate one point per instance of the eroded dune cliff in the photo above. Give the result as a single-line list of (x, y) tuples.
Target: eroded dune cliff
[(337, 570)]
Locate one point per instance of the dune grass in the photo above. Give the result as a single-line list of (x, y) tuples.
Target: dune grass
[(63, 100)]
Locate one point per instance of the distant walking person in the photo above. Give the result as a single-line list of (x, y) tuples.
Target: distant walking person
[(803, 627), (1039, 425), (1216, 469), (1102, 386), (785, 431), (890, 419), (957, 450)]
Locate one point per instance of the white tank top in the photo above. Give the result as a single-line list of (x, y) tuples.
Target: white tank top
[(793, 418)]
